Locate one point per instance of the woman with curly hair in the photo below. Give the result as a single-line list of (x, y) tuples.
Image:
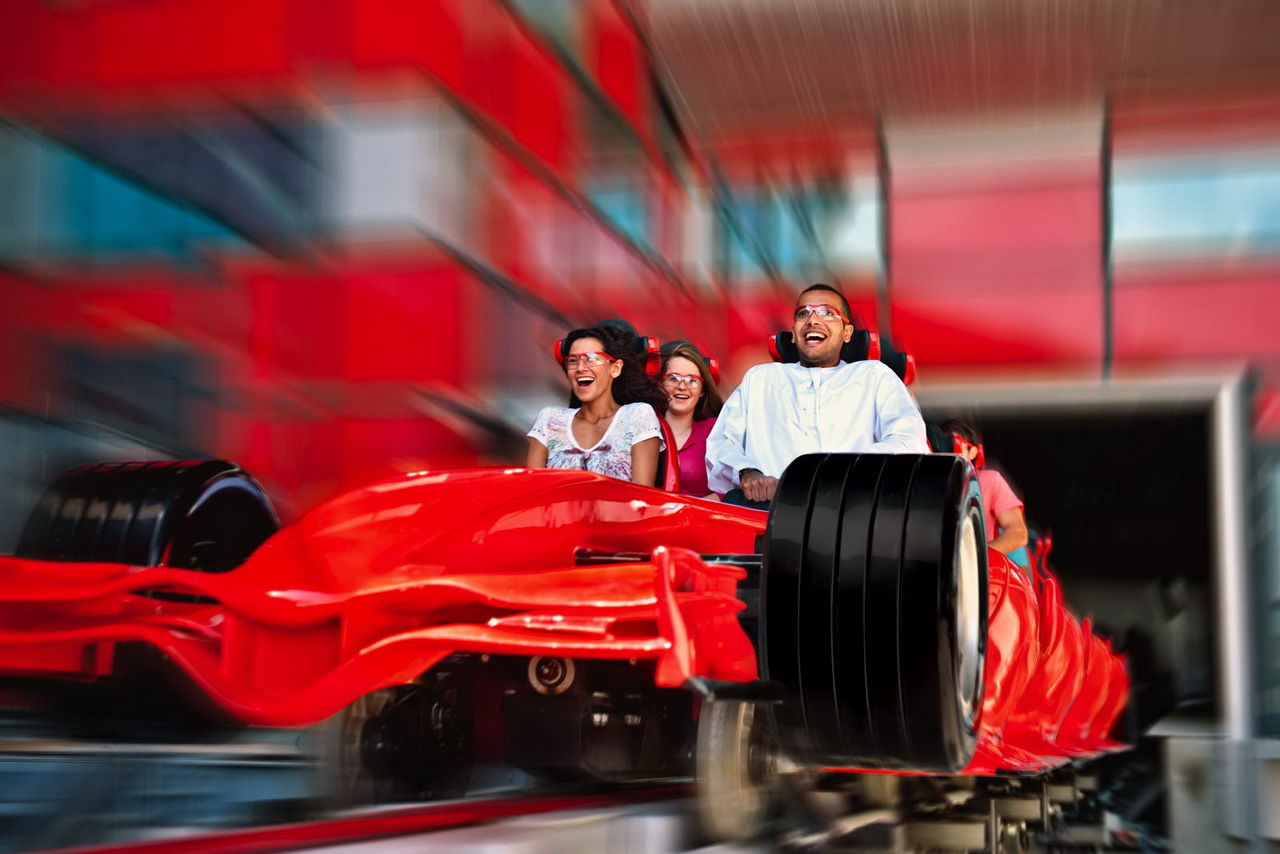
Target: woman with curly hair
[(692, 406), (614, 428)]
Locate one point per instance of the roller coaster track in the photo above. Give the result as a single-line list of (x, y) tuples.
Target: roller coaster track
[(388, 823)]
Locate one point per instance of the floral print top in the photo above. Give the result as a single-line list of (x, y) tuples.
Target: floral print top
[(611, 456)]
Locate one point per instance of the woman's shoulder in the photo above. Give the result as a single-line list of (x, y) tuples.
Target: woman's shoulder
[(990, 478), (554, 415), (638, 409), (638, 419)]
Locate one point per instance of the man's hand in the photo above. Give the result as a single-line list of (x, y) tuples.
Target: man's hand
[(756, 486)]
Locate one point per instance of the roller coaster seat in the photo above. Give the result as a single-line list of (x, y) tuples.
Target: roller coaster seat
[(864, 345), (668, 477), (942, 442)]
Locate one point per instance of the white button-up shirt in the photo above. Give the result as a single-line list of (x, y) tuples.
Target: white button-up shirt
[(781, 411)]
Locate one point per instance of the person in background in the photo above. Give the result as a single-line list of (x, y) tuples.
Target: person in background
[(614, 429), (1006, 521), (820, 404), (692, 406)]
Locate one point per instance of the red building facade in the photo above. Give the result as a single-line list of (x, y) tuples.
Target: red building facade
[(332, 240)]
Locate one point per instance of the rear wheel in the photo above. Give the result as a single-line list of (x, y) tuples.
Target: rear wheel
[(873, 608), (206, 516)]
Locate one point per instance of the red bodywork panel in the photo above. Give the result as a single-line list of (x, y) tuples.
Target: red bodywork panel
[(375, 587), (1053, 689)]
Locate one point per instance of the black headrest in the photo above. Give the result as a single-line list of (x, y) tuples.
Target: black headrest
[(940, 441), (864, 345), (902, 363)]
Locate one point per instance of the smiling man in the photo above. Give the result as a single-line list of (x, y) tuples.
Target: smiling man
[(817, 405)]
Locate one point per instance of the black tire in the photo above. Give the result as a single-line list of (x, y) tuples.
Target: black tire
[(737, 775), (781, 622), (873, 610), (943, 613), (205, 515), (405, 743)]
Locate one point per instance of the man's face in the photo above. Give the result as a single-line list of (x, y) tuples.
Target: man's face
[(819, 339)]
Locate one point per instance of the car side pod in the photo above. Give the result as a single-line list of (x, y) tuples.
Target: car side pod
[(1013, 656), (1117, 699), (874, 611), (1043, 705), (1094, 703)]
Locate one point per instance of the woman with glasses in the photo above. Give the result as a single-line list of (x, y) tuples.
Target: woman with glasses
[(692, 406), (614, 428)]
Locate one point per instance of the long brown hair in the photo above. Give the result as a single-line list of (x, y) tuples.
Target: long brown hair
[(709, 404)]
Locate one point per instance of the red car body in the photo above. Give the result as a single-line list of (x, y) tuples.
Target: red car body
[(377, 586)]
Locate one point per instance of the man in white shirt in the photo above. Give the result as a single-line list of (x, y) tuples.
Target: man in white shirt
[(819, 405)]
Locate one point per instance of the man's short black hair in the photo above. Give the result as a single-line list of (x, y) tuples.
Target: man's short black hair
[(963, 429), (844, 303)]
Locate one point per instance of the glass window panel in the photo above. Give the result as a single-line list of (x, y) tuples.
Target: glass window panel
[(803, 231), (555, 19), (1211, 205), (625, 208), (849, 226), (59, 203)]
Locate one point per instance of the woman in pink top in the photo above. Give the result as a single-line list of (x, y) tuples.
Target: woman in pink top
[(692, 406), (1006, 524)]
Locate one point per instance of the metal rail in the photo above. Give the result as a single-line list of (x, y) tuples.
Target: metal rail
[(388, 823)]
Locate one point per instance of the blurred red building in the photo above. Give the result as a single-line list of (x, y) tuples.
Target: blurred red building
[(332, 240)]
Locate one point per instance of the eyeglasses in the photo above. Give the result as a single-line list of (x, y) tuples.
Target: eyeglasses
[(673, 380), (822, 312), (591, 359)]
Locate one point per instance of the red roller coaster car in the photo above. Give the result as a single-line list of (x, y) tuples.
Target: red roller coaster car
[(608, 630)]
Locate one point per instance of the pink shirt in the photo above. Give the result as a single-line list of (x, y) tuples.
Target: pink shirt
[(693, 459), (997, 497)]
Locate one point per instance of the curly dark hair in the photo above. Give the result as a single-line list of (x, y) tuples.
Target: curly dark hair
[(710, 403), (633, 384)]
